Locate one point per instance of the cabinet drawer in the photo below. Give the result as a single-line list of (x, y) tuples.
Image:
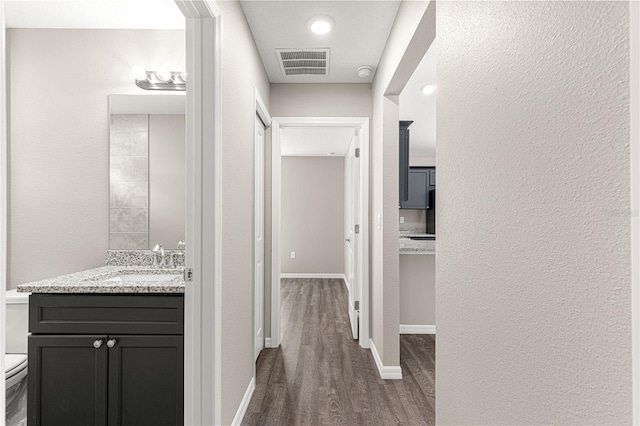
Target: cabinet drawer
[(106, 313)]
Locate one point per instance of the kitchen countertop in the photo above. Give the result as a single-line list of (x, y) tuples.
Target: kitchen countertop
[(94, 281), (409, 246)]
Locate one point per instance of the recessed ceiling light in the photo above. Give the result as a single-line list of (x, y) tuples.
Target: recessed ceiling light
[(331, 153), (321, 24), (428, 89)]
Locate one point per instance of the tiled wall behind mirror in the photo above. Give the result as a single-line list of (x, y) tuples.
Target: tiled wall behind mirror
[(129, 179)]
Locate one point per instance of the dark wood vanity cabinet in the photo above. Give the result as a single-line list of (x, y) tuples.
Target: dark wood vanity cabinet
[(130, 371)]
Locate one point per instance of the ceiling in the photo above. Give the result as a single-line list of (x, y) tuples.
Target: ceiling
[(94, 14), (421, 108), (315, 141), (360, 34)]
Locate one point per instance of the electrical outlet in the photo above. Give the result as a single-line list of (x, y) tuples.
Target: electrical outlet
[(293, 254), (401, 219)]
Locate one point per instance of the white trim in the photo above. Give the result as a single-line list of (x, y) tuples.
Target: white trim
[(263, 114), (417, 329), (362, 123), (261, 109), (320, 275), (242, 409), (203, 307), (634, 12), (388, 372), (4, 178)]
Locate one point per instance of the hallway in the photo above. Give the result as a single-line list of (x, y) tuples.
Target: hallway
[(321, 376)]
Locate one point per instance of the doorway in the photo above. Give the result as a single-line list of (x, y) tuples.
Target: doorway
[(358, 233)]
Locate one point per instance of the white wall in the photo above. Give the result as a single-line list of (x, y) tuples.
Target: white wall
[(534, 308), (385, 162), (242, 70), (417, 289), (166, 179), (320, 100), (59, 140), (312, 213)]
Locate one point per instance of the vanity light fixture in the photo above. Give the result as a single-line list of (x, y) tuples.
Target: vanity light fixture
[(321, 24), (428, 89), (161, 79)]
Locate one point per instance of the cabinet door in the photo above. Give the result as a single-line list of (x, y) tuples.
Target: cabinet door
[(67, 381), (404, 161), (146, 380), (418, 190)]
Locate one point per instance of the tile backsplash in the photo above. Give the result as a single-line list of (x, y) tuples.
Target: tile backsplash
[(129, 181)]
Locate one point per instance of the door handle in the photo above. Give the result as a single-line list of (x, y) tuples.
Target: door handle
[(97, 344), (348, 240), (111, 342)]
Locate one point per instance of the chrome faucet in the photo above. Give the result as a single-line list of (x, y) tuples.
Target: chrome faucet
[(158, 250)]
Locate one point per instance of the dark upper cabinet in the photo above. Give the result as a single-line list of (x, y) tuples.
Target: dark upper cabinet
[(128, 371), (418, 189), (404, 161)]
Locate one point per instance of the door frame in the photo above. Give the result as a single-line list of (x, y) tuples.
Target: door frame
[(263, 114), (203, 227), (4, 179), (362, 124)]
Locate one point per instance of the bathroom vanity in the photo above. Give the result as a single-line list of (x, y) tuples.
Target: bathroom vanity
[(106, 348)]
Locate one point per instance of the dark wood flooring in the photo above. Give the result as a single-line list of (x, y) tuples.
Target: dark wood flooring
[(321, 376)]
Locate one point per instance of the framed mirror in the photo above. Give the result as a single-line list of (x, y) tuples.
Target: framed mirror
[(147, 171)]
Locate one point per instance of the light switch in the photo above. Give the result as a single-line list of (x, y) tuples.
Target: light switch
[(293, 254), (401, 219)]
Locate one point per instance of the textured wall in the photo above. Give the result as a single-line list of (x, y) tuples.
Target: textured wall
[(59, 139), (242, 72), (533, 257), (312, 214)]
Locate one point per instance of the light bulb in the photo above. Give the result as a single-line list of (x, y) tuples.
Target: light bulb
[(163, 74), (428, 89), (138, 73)]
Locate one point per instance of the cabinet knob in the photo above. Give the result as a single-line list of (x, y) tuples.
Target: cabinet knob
[(97, 344), (111, 343), (348, 240)]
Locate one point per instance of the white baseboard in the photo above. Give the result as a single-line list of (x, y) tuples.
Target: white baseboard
[(242, 409), (388, 372), (417, 329), (335, 276)]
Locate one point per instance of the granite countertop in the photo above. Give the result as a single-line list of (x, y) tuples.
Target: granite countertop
[(95, 281), (409, 246)]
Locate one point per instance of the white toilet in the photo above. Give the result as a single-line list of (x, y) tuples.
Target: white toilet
[(17, 330)]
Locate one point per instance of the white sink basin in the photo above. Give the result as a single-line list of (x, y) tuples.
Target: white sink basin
[(142, 277)]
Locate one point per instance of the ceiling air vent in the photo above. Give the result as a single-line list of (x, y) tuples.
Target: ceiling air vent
[(303, 61)]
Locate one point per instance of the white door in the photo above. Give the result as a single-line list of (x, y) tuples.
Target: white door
[(352, 239), (258, 237)]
